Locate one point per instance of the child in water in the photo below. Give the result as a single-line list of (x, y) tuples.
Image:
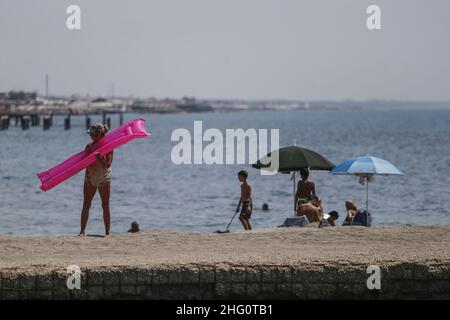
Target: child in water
[(245, 200), (134, 227), (97, 177)]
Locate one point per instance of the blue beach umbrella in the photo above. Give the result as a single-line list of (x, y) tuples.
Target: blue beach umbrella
[(365, 168)]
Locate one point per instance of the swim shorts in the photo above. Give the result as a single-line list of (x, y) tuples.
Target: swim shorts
[(246, 213)]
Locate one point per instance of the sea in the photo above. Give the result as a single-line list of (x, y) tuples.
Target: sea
[(148, 187)]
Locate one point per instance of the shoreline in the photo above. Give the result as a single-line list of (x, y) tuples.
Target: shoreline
[(283, 262)]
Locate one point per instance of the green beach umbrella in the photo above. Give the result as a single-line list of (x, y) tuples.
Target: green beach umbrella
[(292, 159)]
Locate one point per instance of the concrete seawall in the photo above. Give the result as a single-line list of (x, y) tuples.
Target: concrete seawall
[(301, 263)]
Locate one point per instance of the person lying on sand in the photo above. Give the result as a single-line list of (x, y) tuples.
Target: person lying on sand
[(312, 210), (306, 189), (329, 222), (97, 177), (245, 200)]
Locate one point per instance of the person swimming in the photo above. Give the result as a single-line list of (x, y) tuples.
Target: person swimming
[(134, 227), (97, 177)]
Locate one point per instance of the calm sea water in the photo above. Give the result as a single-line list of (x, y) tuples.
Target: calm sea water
[(149, 188)]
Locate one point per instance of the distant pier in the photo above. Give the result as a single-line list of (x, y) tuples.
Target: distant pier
[(27, 120)]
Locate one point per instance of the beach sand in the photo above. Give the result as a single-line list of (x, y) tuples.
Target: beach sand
[(281, 246)]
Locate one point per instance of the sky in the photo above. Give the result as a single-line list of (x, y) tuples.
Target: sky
[(229, 49)]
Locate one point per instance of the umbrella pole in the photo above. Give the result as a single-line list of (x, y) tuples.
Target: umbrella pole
[(293, 189), (367, 200)]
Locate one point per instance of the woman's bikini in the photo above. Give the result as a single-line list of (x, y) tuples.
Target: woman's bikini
[(97, 174), (304, 191)]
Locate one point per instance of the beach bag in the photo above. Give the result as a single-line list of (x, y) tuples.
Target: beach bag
[(301, 221), (362, 218)]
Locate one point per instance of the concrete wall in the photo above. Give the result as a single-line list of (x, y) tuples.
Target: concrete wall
[(401, 280)]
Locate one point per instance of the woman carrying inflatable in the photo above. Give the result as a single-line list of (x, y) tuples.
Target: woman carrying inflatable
[(98, 176)]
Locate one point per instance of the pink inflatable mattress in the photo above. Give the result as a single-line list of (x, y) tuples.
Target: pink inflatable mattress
[(63, 171)]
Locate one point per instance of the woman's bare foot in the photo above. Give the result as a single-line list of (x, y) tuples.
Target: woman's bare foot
[(82, 234)]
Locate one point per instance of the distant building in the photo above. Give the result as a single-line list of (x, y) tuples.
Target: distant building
[(101, 103), (193, 105), (21, 96), (154, 105)]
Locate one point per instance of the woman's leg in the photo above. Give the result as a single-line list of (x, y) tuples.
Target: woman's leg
[(89, 193), (104, 191)]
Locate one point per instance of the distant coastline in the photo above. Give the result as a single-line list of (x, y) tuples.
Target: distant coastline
[(21, 102)]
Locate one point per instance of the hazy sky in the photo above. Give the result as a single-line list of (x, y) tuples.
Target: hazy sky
[(250, 49)]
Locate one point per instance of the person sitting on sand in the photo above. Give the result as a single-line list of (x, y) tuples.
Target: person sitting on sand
[(245, 200), (134, 227), (312, 210), (97, 177), (351, 208), (306, 189), (329, 222)]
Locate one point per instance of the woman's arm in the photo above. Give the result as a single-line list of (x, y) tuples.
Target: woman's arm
[(297, 193), (313, 189), (350, 214), (105, 162)]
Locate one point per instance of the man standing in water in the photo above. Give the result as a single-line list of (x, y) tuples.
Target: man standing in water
[(245, 200)]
